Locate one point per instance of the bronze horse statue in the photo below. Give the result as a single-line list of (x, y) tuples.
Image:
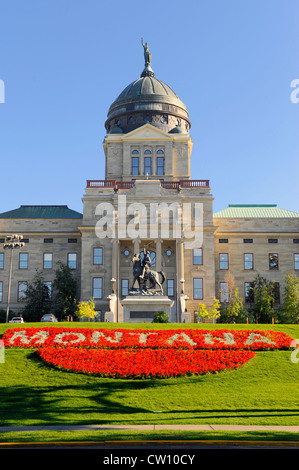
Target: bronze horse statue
[(139, 274)]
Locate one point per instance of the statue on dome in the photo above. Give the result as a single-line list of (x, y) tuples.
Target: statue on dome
[(147, 53)]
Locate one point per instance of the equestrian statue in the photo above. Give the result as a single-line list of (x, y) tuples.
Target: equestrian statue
[(142, 272)]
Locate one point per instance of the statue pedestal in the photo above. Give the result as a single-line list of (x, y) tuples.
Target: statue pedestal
[(142, 308)]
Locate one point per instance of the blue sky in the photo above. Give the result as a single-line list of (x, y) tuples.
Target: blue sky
[(231, 62)]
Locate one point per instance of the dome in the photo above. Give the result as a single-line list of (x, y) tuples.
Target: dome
[(147, 100)]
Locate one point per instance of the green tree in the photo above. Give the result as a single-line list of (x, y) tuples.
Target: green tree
[(64, 292), (234, 311), (264, 298), (212, 312), (290, 307), (38, 299), (86, 309)]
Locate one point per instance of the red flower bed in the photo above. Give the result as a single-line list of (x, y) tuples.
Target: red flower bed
[(142, 353), (139, 338), (144, 363)]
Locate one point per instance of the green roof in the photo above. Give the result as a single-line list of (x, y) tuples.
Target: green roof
[(41, 212), (270, 211)]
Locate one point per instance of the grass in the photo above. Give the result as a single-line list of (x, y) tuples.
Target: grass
[(263, 392)]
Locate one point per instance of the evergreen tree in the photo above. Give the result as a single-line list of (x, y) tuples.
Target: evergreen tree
[(290, 307), (64, 292), (38, 299)]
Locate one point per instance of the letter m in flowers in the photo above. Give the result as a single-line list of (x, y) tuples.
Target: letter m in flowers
[(25, 339)]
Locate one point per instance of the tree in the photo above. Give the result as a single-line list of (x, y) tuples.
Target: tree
[(290, 307), (38, 299), (64, 291), (212, 312), (234, 308), (86, 309), (264, 298), (160, 317)]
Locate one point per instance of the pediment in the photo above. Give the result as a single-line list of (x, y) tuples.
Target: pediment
[(147, 132)]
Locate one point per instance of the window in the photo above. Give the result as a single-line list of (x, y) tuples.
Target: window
[(48, 260), (248, 261), (22, 291), (97, 288), (135, 152), (72, 240), (296, 261), (249, 293), (147, 165), (273, 261), (197, 288), (124, 287), (98, 256), (247, 240), (223, 240), (72, 260), (1, 291), (1, 260), (147, 152), (48, 240), (135, 166), (295, 240), (223, 261), (23, 260), (160, 166), (160, 152), (170, 287), (272, 240), (197, 255), (224, 294), (48, 288)]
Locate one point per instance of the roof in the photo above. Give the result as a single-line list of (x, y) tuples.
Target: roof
[(41, 212), (270, 211)]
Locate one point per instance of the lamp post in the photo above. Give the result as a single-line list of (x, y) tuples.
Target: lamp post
[(11, 242)]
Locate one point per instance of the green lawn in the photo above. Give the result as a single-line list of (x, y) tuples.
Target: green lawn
[(263, 392)]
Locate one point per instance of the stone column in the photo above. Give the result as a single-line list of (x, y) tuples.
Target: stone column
[(158, 254)]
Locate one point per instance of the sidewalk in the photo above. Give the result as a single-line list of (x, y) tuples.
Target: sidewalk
[(151, 427)]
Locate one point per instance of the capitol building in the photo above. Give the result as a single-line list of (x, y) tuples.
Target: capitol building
[(147, 150)]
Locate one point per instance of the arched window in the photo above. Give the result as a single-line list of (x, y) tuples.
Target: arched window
[(160, 152), (135, 152), (147, 152)]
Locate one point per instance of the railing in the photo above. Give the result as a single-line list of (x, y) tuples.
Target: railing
[(165, 184)]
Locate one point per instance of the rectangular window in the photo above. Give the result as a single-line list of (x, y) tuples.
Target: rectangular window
[(170, 287), (223, 240), (147, 165), (197, 255), (48, 260), (272, 240), (273, 261), (72, 260), (197, 288), (98, 256), (295, 240), (223, 261), (135, 166), (1, 260), (124, 287), (72, 240), (296, 261), (48, 240), (224, 294), (97, 288), (248, 261), (1, 291), (247, 240), (160, 166), (249, 293), (23, 260), (22, 288), (48, 286)]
